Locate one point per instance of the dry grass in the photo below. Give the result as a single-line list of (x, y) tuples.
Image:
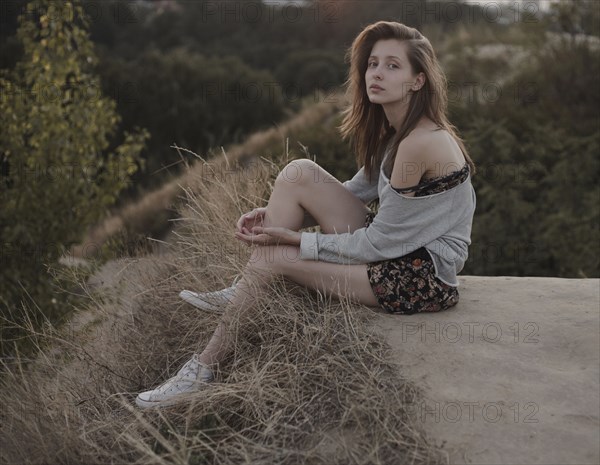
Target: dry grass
[(143, 211), (308, 381)]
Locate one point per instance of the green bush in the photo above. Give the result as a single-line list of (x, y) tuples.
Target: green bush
[(536, 148), (192, 100), (59, 171)]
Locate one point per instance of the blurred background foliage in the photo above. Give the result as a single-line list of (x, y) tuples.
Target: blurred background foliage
[(203, 74)]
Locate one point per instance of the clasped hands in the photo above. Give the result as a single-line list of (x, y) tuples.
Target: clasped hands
[(250, 230)]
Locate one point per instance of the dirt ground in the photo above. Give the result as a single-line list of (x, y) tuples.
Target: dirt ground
[(511, 373)]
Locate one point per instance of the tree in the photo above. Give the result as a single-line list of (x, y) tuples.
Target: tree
[(58, 172), (196, 101)]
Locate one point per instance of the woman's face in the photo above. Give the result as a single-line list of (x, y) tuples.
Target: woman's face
[(388, 68)]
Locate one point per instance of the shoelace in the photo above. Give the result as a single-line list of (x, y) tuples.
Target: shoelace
[(191, 367)]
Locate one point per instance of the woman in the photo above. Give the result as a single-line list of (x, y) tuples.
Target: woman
[(406, 257)]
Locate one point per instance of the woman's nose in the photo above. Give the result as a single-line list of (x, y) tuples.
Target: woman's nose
[(377, 72)]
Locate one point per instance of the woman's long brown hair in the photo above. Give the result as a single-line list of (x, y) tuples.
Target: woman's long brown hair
[(365, 123)]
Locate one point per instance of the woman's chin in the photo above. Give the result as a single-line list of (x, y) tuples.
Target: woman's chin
[(375, 98)]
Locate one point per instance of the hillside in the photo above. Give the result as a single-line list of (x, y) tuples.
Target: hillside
[(510, 375), (309, 381), (150, 214), (312, 380)]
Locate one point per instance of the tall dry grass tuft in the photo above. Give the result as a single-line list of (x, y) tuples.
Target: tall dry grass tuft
[(309, 381), (141, 213)]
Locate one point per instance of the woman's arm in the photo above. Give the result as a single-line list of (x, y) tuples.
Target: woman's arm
[(360, 186), (402, 225)]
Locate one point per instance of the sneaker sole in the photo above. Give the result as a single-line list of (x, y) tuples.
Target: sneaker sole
[(194, 300), (148, 404), (141, 403)]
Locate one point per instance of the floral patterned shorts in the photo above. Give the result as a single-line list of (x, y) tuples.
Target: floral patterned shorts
[(408, 285)]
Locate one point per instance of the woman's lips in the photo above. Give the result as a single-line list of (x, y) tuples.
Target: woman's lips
[(375, 87)]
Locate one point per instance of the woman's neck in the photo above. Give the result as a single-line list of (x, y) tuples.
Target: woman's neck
[(395, 114)]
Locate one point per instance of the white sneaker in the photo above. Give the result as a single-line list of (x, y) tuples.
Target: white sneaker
[(190, 378), (210, 301)]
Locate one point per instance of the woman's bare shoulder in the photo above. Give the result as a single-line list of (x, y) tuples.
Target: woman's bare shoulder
[(438, 149)]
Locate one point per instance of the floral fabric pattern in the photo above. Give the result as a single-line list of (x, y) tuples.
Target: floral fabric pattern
[(407, 284)]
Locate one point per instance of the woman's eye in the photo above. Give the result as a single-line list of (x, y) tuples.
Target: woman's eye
[(374, 64)]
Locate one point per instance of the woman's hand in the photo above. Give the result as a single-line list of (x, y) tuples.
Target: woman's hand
[(269, 236), (249, 220)]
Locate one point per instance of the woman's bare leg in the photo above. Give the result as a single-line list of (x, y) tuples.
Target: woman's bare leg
[(302, 186), (329, 278), (239, 306)]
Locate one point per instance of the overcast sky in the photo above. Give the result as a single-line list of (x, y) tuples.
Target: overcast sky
[(543, 4)]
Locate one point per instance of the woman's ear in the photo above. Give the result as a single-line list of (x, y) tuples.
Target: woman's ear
[(419, 82)]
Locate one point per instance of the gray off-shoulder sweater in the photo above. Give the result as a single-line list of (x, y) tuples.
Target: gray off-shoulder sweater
[(439, 222)]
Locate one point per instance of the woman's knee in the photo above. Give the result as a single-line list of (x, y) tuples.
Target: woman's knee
[(298, 172)]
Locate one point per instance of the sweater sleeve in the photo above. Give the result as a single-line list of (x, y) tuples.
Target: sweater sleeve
[(401, 226), (360, 186)]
